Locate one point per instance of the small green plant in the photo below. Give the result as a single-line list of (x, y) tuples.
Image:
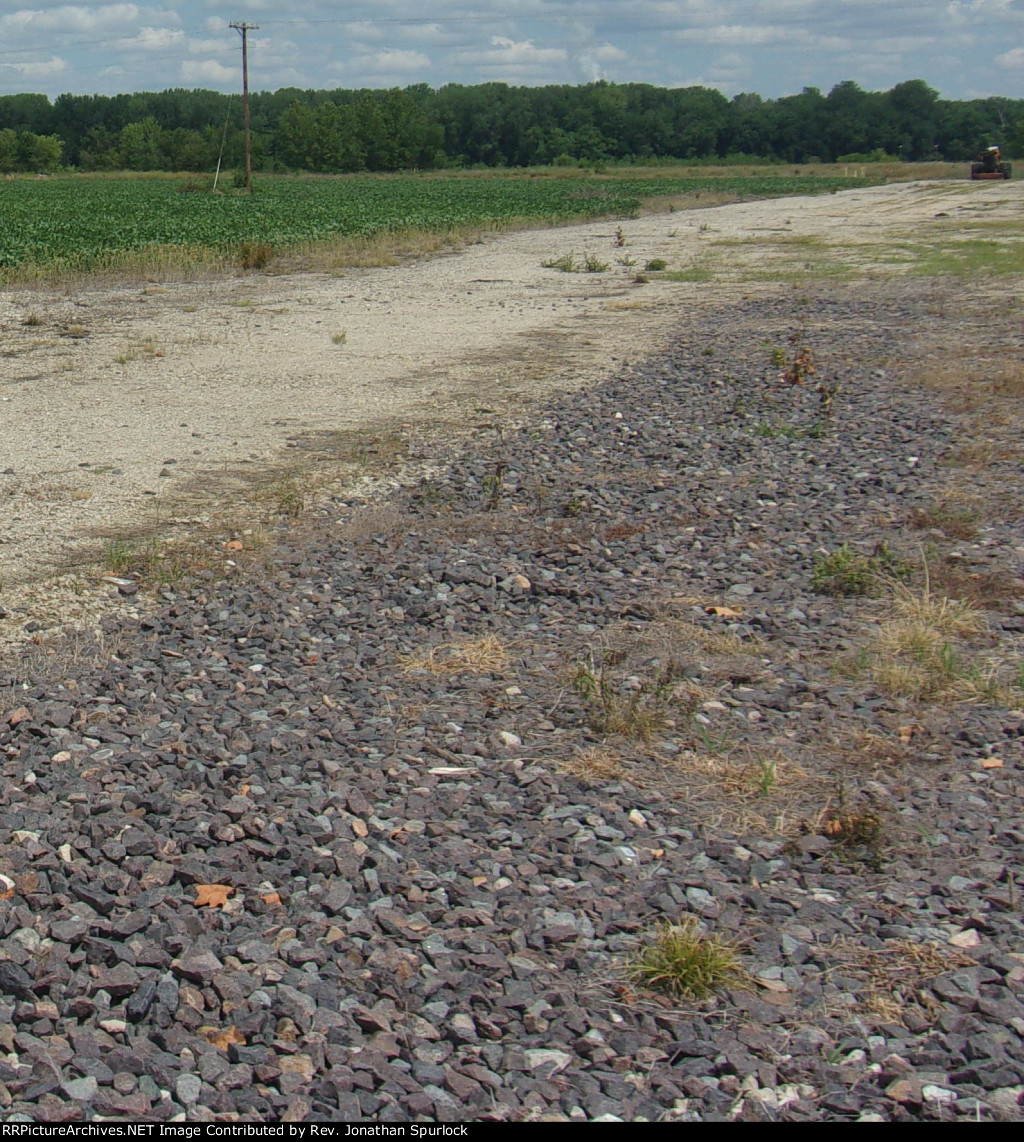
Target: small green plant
[(778, 356), (32, 318), (684, 964), (574, 507), (620, 237), (891, 565), (955, 521), (802, 367), (767, 776), (119, 556), (844, 572), (567, 264), (626, 261), (492, 485), (718, 744), (592, 264), (288, 498), (656, 264), (339, 338), (640, 712)]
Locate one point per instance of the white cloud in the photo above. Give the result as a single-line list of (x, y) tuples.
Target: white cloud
[(72, 19), (506, 51), (608, 53), (388, 62), (1014, 58), (154, 39), (209, 71), (38, 69)]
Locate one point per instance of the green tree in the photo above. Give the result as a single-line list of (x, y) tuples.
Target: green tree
[(336, 145), (8, 150), (140, 145), (296, 137), (915, 108), (39, 154)]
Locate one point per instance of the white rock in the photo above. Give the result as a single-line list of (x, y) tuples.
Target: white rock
[(543, 1057)]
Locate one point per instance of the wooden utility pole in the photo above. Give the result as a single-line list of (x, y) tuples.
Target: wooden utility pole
[(245, 29)]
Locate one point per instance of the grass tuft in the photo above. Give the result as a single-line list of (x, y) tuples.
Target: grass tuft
[(684, 964), (844, 572)]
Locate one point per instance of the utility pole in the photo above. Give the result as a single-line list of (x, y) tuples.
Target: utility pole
[(245, 29)]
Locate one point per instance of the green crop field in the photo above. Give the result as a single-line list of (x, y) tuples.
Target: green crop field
[(90, 223)]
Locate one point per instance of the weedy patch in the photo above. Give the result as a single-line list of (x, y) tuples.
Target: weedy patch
[(845, 572), (287, 497), (119, 556), (656, 265), (631, 707), (683, 963), (567, 264), (989, 590), (923, 650), (697, 272), (255, 255), (953, 520)]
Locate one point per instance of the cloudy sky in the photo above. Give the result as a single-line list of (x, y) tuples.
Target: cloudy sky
[(964, 48)]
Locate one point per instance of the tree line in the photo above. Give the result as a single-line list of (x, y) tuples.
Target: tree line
[(495, 125)]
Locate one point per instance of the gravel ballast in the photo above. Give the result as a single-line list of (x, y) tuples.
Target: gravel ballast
[(436, 859)]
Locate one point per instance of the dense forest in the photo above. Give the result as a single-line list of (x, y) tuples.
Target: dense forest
[(495, 125)]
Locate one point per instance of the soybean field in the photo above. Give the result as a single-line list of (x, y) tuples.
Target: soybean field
[(87, 223)]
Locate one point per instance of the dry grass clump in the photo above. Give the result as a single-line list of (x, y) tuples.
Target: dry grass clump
[(989, 590), (595, 764), (956, 521), (924, 651), (683, 963), (485, 655), (891, 980)]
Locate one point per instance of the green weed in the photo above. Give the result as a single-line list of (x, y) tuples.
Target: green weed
[(567, 264), (119, 556), (844, 572), (640, 712)]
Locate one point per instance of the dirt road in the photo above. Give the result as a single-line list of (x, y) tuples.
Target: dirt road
[(145, 405)]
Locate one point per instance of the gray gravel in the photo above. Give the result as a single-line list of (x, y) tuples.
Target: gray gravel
[(431, 905)]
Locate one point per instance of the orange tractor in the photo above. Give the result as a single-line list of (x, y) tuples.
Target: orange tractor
[(989, 165)]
